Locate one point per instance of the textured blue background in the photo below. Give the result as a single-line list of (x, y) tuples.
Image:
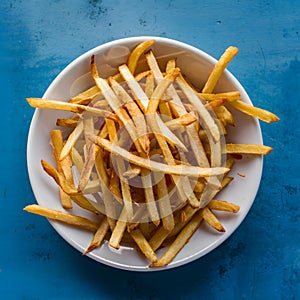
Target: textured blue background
[(261, 260)]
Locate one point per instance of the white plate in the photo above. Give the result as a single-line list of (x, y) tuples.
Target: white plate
[(196, 65)]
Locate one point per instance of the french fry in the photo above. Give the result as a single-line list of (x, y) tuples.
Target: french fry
[(259, 113), (86, 97), (59, 178), (164, 202), (125, 188), (184, 170), (136, 54), (223, 206), (98, 236), (183, 237), (149, 196), (211, 219), (72, 139), (183, 120), (229, 96), (84, 203), (119, 230), (107, 196), (208, 121), (67, 218), (57, 144), (218, 69), (65, 122), (66, 106), (144, 246), (248, 149)]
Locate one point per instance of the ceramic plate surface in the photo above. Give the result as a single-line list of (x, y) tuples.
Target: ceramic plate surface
[(196, 65)]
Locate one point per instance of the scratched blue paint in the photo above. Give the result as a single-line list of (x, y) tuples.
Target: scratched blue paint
[(262, 259)]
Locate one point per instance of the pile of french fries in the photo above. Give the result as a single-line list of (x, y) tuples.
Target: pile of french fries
[(146, 152)]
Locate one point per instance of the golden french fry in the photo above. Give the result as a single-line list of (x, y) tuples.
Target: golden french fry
[(125, 188), (224, 115), (118, 232), (77, 159), (65, 122), (160, 90), (107, 195), (218, 69), (164, 202), (183, 237), (144, 246), (248, 149), (87, 96), (149, 88), (259, 113), (149, 196), (57, 144), (84, 203), (136, 54), (184, 170), (66, 106), (228, 96), (88, 167), (132, 172), (212, 220), (67, 218), (223, 206), (208, 121), (65, 199), (73, 137), (59, 178), (98, 236)]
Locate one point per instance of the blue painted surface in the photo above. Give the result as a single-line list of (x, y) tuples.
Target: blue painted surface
[(261, 260)]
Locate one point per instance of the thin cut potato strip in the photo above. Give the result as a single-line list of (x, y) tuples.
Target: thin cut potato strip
[(179, 242), (84, 203), (72, 107), (208, 121), (248, 149), (143, 244), (89, 95), (59, 178), (125, 188), (218, 69), (223, 206), (211, 219), (73, 137), (259, 113), (67, 218), (229, 96), (64, 167), (184, 170), (65, 122), (98, 236), (119, 230)]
